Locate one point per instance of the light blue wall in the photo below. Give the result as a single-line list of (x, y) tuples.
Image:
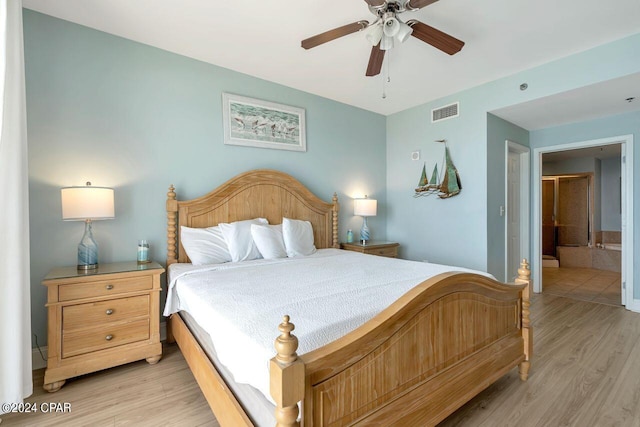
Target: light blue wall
[(623, 124), (454, 231), (429, 228), (498, 132), (611, 219), (136, 118)]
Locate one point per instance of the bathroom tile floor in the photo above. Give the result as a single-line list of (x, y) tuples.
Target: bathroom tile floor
[(585, 284)]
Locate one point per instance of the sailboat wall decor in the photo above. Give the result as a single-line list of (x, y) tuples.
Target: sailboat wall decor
[(446, 187)]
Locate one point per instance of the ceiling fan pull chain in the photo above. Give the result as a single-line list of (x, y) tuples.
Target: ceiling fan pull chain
[(385, 78), (387, 66)]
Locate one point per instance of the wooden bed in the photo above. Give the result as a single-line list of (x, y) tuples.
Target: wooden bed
[(415, 363)]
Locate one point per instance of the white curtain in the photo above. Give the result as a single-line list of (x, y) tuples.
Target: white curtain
[(15, 323)]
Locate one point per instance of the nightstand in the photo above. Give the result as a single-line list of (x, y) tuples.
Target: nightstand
[(101, 319), (388, 249)]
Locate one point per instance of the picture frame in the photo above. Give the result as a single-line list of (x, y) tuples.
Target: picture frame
[(257, 123)]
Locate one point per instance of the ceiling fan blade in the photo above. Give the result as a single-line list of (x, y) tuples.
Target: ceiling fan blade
[(375, 61), (435, 37), (418, 4), (375, 3), (327, 36)]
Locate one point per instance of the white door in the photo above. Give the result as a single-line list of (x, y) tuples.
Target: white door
[(513, 215)]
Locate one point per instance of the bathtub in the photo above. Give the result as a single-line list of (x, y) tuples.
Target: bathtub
[(608, 257)]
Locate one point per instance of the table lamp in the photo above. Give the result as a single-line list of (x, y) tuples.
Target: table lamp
[(365, 208), (87, 204)]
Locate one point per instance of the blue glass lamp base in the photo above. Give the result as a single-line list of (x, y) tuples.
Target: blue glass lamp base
[(87, 250), (364, 232)]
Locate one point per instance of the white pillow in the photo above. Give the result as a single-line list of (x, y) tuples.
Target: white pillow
[(238, 237), (298, 237), (269, 240), (204, 245)]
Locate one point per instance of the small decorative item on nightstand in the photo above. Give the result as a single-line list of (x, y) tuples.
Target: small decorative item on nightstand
[(349, 236), (143, 252)]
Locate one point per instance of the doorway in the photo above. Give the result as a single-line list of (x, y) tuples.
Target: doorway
[(517, 207), (567, 212), (576, 231)]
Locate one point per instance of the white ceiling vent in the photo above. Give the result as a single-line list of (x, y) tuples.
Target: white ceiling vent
[(447, 112)]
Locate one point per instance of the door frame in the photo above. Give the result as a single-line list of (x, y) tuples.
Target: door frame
[(626, 142), (525, 178)]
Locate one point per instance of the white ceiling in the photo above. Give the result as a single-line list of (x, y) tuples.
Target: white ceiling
[(262, 38), (589, 102)]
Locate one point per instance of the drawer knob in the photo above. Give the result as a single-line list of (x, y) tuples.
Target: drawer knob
[(109, 312), (109, 287), (108, 337)]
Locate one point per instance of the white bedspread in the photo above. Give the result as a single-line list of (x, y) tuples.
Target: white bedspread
[(327, 295)]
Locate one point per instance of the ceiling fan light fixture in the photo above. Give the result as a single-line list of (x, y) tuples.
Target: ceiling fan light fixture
[(373, 33), (387, 27), (404, 32), (391, 26), (386, 43)]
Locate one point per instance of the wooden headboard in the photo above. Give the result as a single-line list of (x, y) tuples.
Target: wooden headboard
[(260, 193)]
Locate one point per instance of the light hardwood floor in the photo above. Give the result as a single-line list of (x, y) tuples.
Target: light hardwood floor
[(584, 373), (586, 284), (137, 394)]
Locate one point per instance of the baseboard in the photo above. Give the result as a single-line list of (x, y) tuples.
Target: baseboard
[(37, 361)]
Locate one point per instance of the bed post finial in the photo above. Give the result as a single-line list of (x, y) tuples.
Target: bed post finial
[(524, 277), (286, 344), (334, 234), (172, 214), (287, 376)]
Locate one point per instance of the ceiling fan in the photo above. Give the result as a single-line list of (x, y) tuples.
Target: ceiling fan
[(387, 28)]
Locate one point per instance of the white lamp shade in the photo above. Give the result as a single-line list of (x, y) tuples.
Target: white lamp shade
[(82, 203), (365, 207)]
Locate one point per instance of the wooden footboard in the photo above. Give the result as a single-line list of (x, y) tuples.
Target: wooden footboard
[(413, 364)]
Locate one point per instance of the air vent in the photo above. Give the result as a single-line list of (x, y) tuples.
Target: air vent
[(447, 112)]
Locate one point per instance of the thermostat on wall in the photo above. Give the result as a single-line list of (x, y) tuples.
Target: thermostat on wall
[(415, 155)]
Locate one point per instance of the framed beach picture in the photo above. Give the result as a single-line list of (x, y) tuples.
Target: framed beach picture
[(256, 123)]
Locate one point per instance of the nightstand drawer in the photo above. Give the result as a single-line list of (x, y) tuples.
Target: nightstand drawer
[(82, 316), (110, 335), (103, 288), (388, 252), (386, 249)]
